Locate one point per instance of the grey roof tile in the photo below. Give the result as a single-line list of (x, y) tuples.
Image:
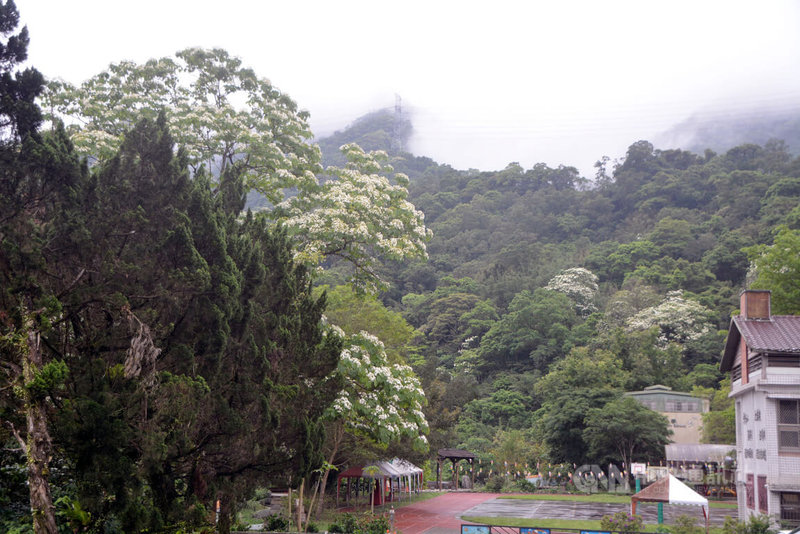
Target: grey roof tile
[(780, 333)]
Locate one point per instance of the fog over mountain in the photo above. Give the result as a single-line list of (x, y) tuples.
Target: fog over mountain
[(486, 84)]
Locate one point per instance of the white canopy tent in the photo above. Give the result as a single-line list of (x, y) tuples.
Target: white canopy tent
[(672, 491)]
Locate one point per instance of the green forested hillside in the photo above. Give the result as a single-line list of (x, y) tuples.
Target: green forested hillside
[(547, 295)]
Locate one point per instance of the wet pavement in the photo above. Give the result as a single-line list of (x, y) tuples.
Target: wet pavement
[(585, 510), (442, 515)]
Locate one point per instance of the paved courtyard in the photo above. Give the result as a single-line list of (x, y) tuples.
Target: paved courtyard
[(586, 510), (442, 515)]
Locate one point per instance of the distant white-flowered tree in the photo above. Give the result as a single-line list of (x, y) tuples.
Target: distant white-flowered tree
[(679, 320), (379, 401), (226, 117), (580, 285), (357, 214), (220, 112)]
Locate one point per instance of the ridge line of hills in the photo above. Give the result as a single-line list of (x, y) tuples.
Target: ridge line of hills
[(504, 303)]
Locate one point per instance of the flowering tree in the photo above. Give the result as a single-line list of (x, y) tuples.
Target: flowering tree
[(580, 285), (359, 215), (230, 120), (379, 401), (221, 113), (679, 320)]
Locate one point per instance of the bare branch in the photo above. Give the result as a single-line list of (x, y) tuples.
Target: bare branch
[(22, 444)]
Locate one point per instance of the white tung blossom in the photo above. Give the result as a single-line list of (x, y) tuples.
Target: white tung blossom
[(679, 319), (379, 398), (580, 285)]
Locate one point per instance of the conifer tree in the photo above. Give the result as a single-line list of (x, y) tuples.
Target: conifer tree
[(35, 174), (19, 115)]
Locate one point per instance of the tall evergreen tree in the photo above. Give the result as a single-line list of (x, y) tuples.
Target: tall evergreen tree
[(19, 114), (35, 176), (201, 364)]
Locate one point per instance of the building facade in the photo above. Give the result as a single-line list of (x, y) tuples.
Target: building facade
[(762, 355), (684, 411)]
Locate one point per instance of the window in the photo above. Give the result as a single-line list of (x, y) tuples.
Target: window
[(789, 425), (790, 508), (762, 494), (749, 498), (784, 360), (674, 406)]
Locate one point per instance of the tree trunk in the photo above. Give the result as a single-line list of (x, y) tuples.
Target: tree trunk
[(626, 470), (337, 440), (224, 517), (38, 444), (299, 507), (311, 505)]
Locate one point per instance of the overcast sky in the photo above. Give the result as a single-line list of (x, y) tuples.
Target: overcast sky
[(487, 82)]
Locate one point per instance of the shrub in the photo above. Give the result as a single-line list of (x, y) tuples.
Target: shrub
[(345, 524), (276, 523), (622, 522), (376, 525), (686, 525), (495, 483), (364, 524), (525, 486), (261, 493), (757, 524)]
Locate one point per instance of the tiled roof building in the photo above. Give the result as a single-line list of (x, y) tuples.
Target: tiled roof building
[(762, 354)]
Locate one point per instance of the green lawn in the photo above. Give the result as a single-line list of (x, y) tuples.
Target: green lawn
[(597, 497), (578, 497), (554, 524)]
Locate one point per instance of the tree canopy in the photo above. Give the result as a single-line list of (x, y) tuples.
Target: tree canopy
[(228, 119)]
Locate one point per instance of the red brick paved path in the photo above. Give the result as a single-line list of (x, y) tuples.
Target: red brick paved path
[(440, 512)]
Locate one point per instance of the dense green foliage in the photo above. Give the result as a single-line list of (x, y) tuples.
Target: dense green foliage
[(192, 360), (547, 295), (169, 350)]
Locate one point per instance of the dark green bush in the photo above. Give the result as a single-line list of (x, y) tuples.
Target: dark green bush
[(345, 524), (276, 523), (495, 483), (686, 525), (757, 524), (525, 486), (622, 522), (363, 524)]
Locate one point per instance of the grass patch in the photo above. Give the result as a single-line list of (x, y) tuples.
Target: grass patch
[(554, 524), (610, 498)]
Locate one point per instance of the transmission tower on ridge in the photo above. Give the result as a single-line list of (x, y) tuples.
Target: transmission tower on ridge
[(397, 142)]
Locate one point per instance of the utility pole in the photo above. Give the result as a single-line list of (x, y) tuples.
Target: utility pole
[(397, 142)]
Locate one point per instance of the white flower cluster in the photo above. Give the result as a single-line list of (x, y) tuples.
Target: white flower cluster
[(241, 118), (580, 285), (380, 399), (680, 320), (358, 215)]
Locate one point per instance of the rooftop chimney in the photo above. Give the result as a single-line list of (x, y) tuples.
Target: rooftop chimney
[(754, 304)]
